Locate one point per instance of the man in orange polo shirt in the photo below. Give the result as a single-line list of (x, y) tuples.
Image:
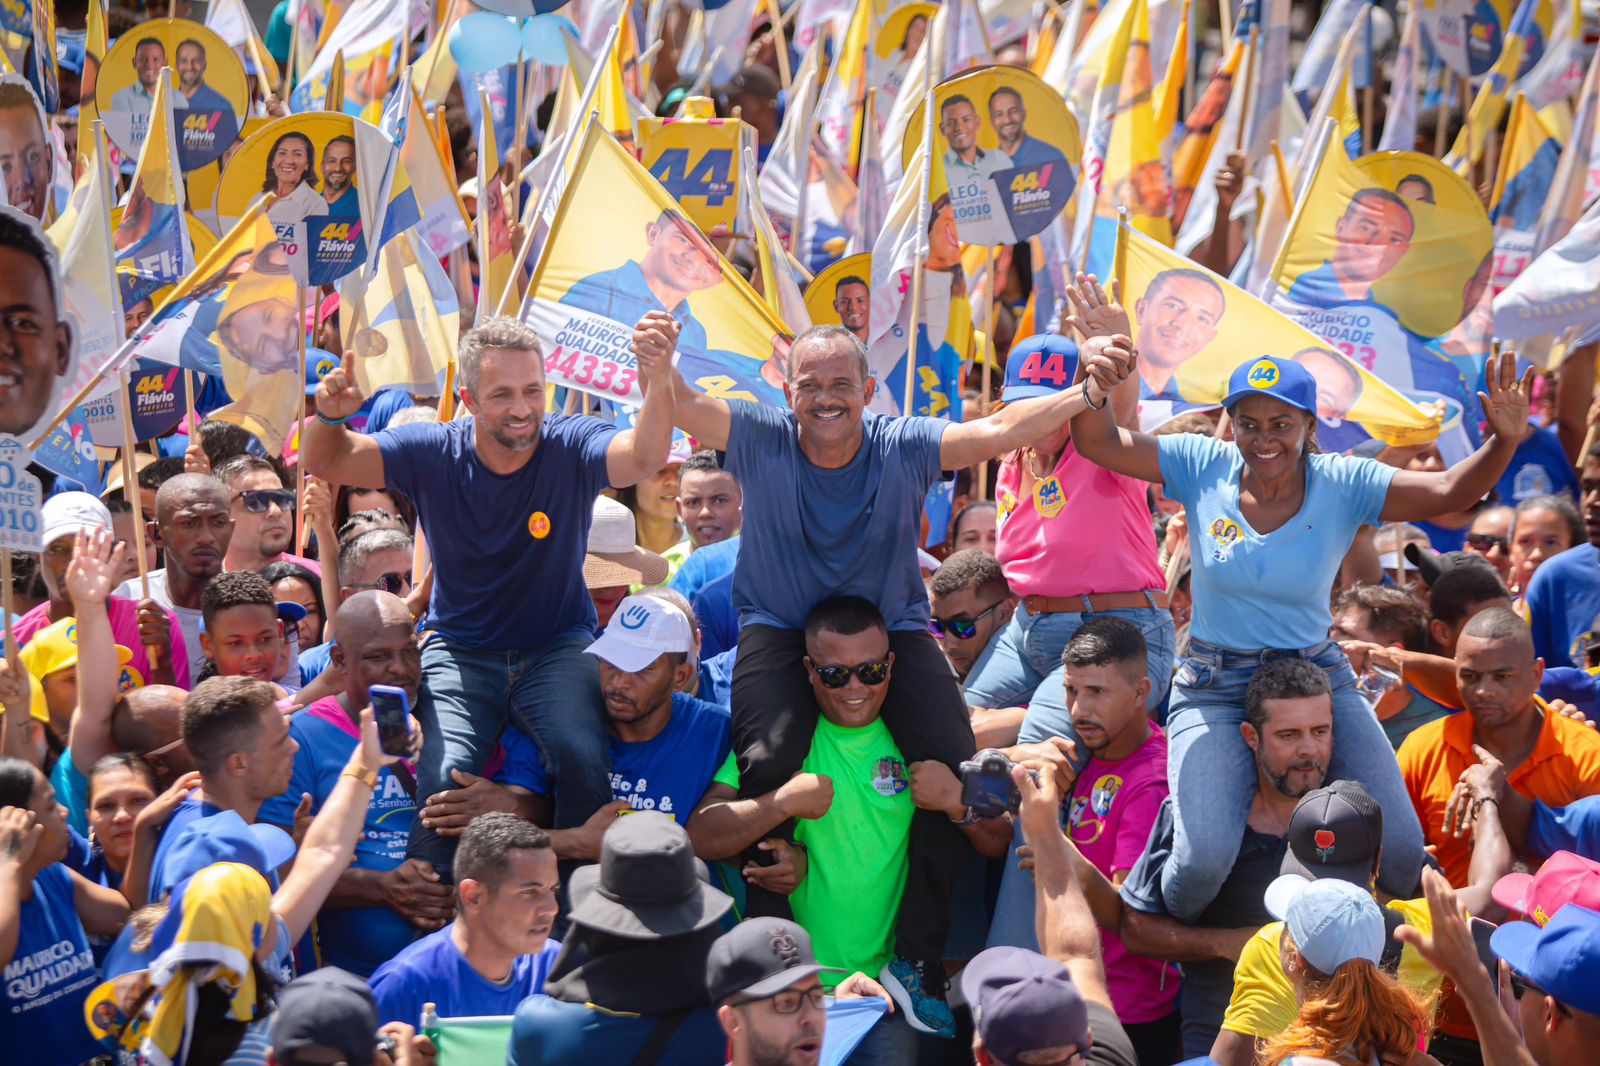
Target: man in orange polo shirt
[(1547, 757)]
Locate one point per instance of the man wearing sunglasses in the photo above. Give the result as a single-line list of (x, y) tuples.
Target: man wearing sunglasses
[(833, 498), (854, 798), (506, 497), (971, 603), (379, 560), (263, 516)]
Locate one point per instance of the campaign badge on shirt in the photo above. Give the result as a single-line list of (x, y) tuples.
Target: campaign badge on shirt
[(1048, 497), (889, 776), (539, 525), (1104, 791), (1225, 532), (1008, 504)]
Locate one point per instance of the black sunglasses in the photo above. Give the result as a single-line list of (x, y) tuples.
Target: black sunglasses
[(1485, 542), (391, 583), (872, 674), (1520, 984), (960, 628), (259, 501)]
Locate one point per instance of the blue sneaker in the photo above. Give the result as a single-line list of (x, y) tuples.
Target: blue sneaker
[(918, 990)]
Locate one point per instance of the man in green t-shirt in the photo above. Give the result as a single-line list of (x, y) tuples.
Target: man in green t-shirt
[(845, 871)]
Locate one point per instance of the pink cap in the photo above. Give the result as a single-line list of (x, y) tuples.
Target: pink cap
[(1564, 878)]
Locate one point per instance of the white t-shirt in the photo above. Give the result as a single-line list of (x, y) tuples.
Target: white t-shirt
[(189, 619)]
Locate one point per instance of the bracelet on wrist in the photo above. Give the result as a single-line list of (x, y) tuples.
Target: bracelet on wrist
[(1481, 800), (325, 420), (1090, 403), (365, 774)]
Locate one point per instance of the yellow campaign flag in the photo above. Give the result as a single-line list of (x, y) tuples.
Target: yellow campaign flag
[(95, 44), (844, 91), (699, 158), (82, 235), (1201, 129), (1193, 328), (152, 238), (1383, 256), (1170, 97), (617, 108), (497, 253), (1135, 176), (1488, 107), (1528, 163), (238, 313), (587, 294), (1344, 113), (406, 322)]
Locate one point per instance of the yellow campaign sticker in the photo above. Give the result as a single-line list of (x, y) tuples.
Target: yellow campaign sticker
[(539, 525)]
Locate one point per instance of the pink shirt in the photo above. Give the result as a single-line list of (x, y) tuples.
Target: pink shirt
[(1100, 541), (1113, 806), (125, 631)]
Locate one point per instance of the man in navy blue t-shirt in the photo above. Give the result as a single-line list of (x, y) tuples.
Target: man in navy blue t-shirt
[(833, 498), (506, 497), (498, 950)]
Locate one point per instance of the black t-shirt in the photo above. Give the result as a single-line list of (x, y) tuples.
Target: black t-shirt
[(1207, 986), (1111, 1044)]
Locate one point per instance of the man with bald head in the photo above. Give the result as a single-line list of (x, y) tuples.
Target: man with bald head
[(147, 722), (379, 904), (833, 501), (1547, 757), (192, 528)]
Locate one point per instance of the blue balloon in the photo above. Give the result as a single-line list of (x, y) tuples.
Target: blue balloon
[(542, 40), (522, 8), (482, 42)]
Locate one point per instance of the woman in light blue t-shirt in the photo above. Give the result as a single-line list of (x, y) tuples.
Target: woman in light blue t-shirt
[(1270, 521)]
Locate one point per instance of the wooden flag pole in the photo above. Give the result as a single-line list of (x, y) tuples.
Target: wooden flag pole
[(5, 596), (130, 493), (911, 332), (300, 467), (988, 361), (1249, 86), (780, 44)]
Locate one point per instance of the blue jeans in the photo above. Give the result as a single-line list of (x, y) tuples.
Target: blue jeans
[(1022, 666), (551, 693), (1203, 731), (892, 1042)]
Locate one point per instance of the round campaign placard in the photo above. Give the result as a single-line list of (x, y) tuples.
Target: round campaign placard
[(210, 90), (842, 296), (903, 32), (42, 367), (201, 183), (309, 161), (1486, 34), (29, 162), (1003, 142), (1438, 281)]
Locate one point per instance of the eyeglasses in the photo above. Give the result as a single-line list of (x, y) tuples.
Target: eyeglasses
[(391, 583), (872, 674), (960, 628), (1520, 984), (1485, 542), (788, 1001), (259, 501)]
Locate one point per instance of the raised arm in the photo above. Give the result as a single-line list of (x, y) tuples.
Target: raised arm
[(1097, 312), (705, 418), (330, 842), (1416, 496), (1066, 929), (723, 825), (90, 577), (328, 448), (637, 453)]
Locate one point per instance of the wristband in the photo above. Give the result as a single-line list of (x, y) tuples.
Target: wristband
[(1090, 403), (325, 420)]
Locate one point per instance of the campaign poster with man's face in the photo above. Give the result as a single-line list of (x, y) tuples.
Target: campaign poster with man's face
[(1004, 147), (842, 295), (1383, 255), (587, 294), (211, 92), (308, 162), (41, 346), (25, 157)]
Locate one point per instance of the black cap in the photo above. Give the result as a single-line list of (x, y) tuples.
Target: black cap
[(1334, 832), (760, 957), (327, 1010), (1432, 565)]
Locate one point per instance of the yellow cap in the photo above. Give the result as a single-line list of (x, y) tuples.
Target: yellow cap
[(53, 649)]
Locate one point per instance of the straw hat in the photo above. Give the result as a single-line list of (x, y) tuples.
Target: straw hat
[(614, 556)]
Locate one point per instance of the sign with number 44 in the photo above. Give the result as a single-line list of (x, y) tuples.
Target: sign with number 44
[(20, 528)]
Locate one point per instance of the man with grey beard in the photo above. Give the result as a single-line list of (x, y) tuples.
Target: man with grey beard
[(1289, 725)]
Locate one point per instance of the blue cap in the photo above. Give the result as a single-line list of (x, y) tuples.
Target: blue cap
[(224, 837), (1578, 687), (1022, 1001), (1041, 365), (318, 363), (1332, 921), (1560, 959), (1283, 379)]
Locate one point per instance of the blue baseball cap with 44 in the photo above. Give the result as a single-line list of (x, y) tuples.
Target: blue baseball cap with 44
[(1561, 959), (1283, 379), (1041, 365)]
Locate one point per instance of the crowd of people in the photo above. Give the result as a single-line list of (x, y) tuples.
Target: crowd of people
[(729, 732)]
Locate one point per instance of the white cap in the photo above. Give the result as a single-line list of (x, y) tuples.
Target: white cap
[(67, 512), (643, 629)]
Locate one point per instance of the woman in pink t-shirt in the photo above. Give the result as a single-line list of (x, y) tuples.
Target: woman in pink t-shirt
[(1076, 542)]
